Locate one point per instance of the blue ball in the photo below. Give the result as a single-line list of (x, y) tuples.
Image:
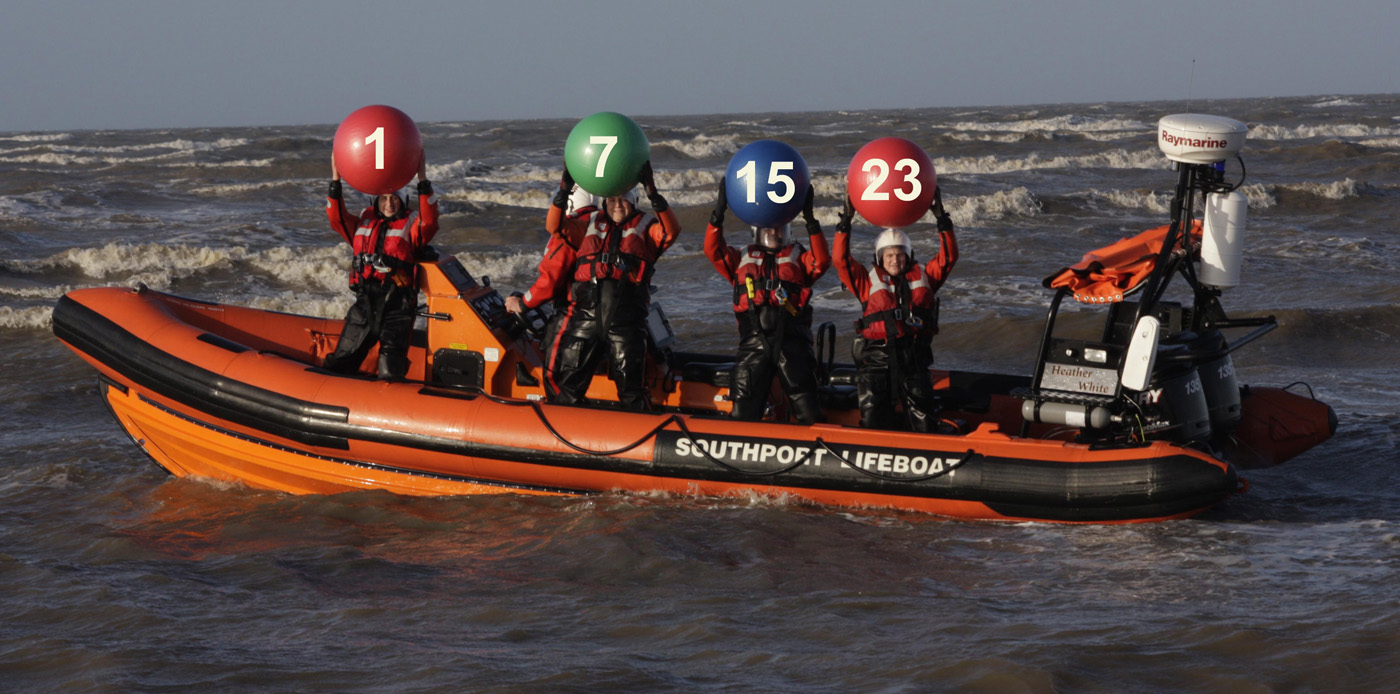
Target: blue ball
[(766, 183)]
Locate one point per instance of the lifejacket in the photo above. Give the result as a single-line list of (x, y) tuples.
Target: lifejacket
[(778, 279), (616, 251), (908, 306), (382, 247)]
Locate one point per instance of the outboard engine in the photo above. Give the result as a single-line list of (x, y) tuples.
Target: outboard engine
[(1218, 384), (1173, 407)]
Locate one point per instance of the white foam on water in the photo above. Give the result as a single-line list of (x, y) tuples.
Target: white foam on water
[(461, 168), (538, 199), (37, 137), (1333, 103), (1344, 189), (520, 268), (301, 304), (157, 265), (703, 146), (1259, 196), (64, 159), (1382, 142), (124, 258), (1134, 199), (178, 158), (1114, 159), (238, 188), (324, 267), (521, 173), (972, 209), (237, 164), (36, 292), (1070, 123), (180, 145), (1306, 132), (37, 317)]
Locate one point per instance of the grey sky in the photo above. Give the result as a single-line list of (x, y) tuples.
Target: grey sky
[(66, 64)]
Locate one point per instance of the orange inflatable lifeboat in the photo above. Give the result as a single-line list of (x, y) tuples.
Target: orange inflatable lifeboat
[(234, 393), (1142, 421)]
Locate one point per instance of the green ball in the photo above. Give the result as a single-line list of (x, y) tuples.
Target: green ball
[(605, 153)]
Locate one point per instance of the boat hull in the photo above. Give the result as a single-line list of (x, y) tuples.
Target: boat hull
[(203, 396)]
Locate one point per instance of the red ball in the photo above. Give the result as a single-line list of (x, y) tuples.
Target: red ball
[(377, 149), (891, 182)]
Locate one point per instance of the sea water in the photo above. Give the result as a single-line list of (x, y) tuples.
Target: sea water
[(117, 577)]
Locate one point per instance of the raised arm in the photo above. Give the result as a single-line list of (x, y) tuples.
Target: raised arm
[(339, 217), (721, 255), (818, 260), (569, 229), (942, 264), (662, 235), (853, 275), (426, 226)]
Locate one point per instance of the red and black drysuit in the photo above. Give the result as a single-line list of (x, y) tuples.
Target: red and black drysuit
[(897, 327), (598, 273), (775, 320), (384, 309)]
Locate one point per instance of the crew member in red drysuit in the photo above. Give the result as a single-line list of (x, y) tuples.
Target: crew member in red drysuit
[(597, 268), (772, 281), (386, 239), (900, 319)]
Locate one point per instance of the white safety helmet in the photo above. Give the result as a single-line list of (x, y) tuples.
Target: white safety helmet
[(782, 233), (580, 199), (892, 237)]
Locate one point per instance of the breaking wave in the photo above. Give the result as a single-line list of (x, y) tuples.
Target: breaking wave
[(1304, 132), (703, 146), (34, 318), (157, 265), (1115, 159), (1072, 123)]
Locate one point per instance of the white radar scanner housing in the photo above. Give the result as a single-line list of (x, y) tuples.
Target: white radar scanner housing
[(1193, 138)]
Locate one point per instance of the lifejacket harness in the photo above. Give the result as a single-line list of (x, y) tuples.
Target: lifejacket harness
[(923, 321), (379, 261), (601, 264)]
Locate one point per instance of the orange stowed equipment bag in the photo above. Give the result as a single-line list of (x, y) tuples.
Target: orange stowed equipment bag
[(1105, 275)]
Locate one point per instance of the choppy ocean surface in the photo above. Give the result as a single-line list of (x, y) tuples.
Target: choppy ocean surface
[(117, 577)]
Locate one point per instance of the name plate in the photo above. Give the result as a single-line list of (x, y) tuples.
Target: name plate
[(1079, 379)]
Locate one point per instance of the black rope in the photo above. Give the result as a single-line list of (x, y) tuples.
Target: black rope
[(539, 413), (892, 478), (560, 437), (1303, 384)]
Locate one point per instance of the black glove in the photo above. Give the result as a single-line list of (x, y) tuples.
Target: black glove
[(814, 227), (721, 204), (425, 189), (848, 213), (945, 222), (648, 180), (566, 188), (335, 190)]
